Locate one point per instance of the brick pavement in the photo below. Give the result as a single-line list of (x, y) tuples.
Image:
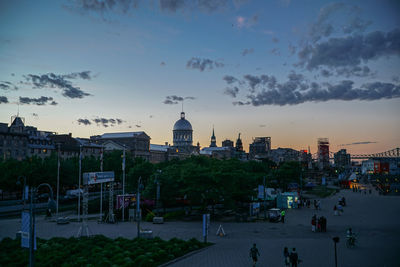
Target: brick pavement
[(375, 219)]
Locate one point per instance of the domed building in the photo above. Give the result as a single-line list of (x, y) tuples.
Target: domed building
[(183, 135)]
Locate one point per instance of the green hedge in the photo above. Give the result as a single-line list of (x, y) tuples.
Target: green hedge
[(97, 251)]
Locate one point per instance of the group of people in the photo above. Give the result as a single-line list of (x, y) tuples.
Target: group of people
[(318, 224), (290, 259)]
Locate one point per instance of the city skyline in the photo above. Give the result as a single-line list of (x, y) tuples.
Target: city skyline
[(294, 71)]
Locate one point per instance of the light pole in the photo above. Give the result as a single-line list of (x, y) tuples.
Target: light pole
[(101, 184), (157, 182), (32, 220), (24, 196), (123, 186), (58, 177), (335, 241), (138, 205), (265, 201), (79, 183)]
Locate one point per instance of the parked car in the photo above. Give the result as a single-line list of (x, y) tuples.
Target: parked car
[(274, 215)]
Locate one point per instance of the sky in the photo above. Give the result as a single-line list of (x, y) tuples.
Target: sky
[(291, 70)]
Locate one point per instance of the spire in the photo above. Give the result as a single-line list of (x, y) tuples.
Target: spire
[(213, 139)]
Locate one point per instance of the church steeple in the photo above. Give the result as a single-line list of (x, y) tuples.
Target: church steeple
[(213, 139), (239, 145)]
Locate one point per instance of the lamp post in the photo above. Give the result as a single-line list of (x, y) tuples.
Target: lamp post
[(101, 184), (24, 196), (265, 201), (138, 205), (123, 186), (79, 183), (58, 177), (32, 220), (157, 182), (335, 241)]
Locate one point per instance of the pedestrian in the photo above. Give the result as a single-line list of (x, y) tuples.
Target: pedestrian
[(318, 204), (313, 223), (319, 222), (344, 201), (335, 211), (370, 191), (294, 258), (325, 223), (340, 209), (315, 204), (286, 256), (308, 203), (283, 216), (254, 253)]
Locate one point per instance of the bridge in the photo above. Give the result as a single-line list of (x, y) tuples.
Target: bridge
[(392, 153)]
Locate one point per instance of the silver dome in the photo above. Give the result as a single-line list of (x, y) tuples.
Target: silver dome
[(183, 124)]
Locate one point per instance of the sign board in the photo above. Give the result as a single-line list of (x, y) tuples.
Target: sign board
[(206, 224), (97, 177), (25, 231), (129, 198)]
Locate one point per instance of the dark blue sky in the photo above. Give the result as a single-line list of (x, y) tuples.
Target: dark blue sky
[(292, 70)]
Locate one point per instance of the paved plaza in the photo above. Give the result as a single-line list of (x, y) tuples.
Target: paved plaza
[(374, 218)]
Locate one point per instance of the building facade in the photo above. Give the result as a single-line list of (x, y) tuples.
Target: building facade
[(260, 148)]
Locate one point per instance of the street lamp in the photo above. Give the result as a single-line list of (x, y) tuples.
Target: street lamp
[(157, 182), (140, 187), (335, 241), (51, 205), (24, 195)]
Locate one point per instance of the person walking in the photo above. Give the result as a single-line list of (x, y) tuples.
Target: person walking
[(286, 256), (335, 211), (313, 223), (294, 258), (283, 216), (254, 253)]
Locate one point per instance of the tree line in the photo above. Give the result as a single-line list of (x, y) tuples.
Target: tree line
[(199, 180)]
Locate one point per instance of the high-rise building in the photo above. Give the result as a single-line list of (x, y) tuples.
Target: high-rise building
[(323, 153), (342, 159)]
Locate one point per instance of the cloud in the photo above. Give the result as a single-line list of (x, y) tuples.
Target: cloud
[(240, 103), (174, 99), (262, 125), (243, 22), (4, 85), (230, 79), (321, 28), (3, 100), (265, 90), (202, 64), (169, 6), (41, 101), (52, 80), (107, 122), (356, 24), (84, 122), (247, 51), (275, 51), (231, 91), (359, 143), (351, 50), (275, 40)]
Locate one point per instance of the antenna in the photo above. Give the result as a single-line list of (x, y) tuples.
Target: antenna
[(182, 105), (18, 109)]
